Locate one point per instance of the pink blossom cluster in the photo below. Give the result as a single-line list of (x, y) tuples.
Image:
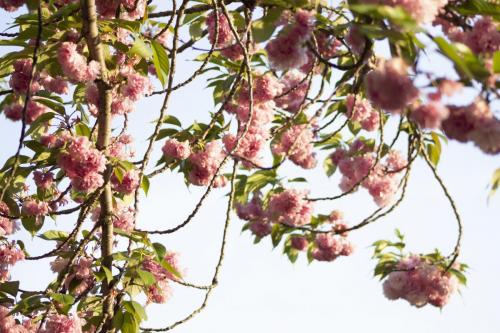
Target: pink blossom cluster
[(57, 85), (329, 247), (160, 292), (252, 142), (294, 89), (484, 37), (355, 39), (420, 282), (83, 164), (20, 78), (328, 45), (474, 122), (299, 243), (9, 325), (59, 323), (422, 11), (253, 211), (7, 225), (74, 64), (55, 140), (360, 109), (123, 216), (291, 207), (9, 256), (133, 10), (33, 207), (128, 184), (430, 115), (357, 167), (121, 147), (124, 96), (388, 77), (11, 5), (176, 149), (80, 277), (34, 110), (205, 163), (288, 49), (223, 32), (43, 180), (296, 144)]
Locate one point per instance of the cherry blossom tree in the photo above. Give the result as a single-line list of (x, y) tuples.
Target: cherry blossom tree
[(293, 82)]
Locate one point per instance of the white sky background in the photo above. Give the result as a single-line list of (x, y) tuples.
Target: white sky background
[(260, 290)]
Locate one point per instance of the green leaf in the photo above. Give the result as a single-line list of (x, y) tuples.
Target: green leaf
[(141, 49), (41, 120), (495, 183), (82, 130), (496, 62), (10, 287), (171, 120), (129, 324), (58, 107), (263, 28), (54, 235), (109, 274), (145, 184), (31, 224), (64, 302), (147, 278), (161, 62)]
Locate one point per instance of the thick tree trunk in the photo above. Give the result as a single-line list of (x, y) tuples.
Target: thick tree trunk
[(103, 136)]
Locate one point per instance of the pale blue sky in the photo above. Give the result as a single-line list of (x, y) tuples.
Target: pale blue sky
[(261, 291)]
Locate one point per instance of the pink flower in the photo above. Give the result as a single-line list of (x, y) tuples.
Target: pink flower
[(56, 85), (20, 79), (9, 256), (360, 109), (253, 210), (420, 283), (74, 64), (463, 120), (43, 180), (260, 228), (296, 143), (484, 36), (287, 50), (290, 207), (107, 8), (422, 11), (7, 225), (205, 163), (430, 115), (355, 40), (134, 9), (294, 89), (390, 76), (128, 184), (57, 323), (487, 137), (299, 243), (224, 34), (35, 208), (124, 218), (83, 164), (329, 247), (176, 149), (11, 5), (137, 85)]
